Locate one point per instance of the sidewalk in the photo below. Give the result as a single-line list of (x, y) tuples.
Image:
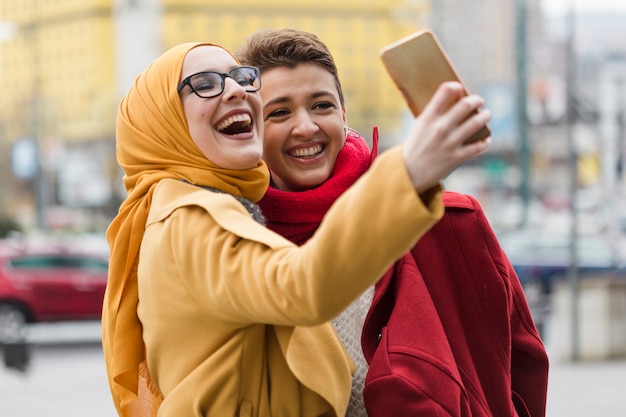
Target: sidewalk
[(587, 389), (67, 360), (582, 388)]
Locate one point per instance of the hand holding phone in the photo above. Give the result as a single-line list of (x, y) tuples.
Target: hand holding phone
[(418, 65)]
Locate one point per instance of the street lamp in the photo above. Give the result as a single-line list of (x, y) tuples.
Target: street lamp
[(522, 103), (573, 272)]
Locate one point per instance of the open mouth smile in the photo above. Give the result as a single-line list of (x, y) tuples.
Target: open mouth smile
[(238, 123), (309, 152)]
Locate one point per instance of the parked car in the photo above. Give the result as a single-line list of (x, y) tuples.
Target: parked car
[(542, 257), (48, 284), (546, 255)]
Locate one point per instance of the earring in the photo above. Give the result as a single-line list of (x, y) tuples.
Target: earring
[(346, 130)]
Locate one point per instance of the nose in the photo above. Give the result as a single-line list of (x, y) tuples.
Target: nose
[(304, 125), (233, 90)]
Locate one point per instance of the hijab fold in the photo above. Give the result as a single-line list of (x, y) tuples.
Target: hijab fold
[(153, 143)]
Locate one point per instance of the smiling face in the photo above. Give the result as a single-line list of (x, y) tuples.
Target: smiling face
[(304, 125), (228, 128)]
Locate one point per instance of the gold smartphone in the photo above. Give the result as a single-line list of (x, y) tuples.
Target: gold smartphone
[(418, 65)]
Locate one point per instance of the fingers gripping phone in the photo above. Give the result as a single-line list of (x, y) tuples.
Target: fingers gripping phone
[(418, 65)]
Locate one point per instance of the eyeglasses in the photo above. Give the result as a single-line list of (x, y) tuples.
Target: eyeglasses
[(209, 84)]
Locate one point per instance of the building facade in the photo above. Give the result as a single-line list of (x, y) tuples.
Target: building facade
[(66, 65)]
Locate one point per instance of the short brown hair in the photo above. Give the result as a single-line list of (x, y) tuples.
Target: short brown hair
[(267, 49)]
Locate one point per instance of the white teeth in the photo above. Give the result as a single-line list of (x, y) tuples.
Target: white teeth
[(233, 119), (301, 153)]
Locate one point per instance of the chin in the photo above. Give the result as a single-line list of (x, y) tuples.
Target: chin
[(312, 182), (248, 158), (248, 164)]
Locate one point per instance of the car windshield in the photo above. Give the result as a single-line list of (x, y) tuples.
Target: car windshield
[(536, 248), (57, 262)]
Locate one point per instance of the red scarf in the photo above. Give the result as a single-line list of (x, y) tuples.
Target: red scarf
[(297, 214)]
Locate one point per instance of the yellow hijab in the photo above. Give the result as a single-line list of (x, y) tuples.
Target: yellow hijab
[(153, 143)]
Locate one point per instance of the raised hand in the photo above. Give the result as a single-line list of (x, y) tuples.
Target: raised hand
[(434, 147)]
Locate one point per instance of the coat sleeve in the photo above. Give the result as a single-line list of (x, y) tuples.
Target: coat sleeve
[(240, 271), (483, 312), (528, 357), (529, 361)]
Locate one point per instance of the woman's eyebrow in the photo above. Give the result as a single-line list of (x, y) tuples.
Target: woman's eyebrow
[(277, 100)]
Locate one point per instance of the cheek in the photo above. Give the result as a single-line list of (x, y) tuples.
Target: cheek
[(195, 116), (272, 137), (339, 137), (199, 110), (270, 151), (339, 140), (203, 113)]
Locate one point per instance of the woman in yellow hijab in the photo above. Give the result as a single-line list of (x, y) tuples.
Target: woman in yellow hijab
[(207, 312)]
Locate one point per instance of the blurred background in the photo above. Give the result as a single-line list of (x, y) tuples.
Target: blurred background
[(553, 73)]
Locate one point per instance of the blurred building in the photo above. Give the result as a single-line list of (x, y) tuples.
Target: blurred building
[(483, 38), (64, 65), (57, 110), (68, 62), (573, 74)]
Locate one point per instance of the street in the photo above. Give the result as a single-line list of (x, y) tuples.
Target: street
[(62, 381), (594, 389), (66, 378)]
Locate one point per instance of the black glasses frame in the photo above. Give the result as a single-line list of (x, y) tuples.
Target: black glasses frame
[(250, 88)]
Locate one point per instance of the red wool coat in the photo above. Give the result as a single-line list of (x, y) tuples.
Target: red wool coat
[(450, 332)]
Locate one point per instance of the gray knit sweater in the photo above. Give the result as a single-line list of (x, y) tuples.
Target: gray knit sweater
[(349, 325)]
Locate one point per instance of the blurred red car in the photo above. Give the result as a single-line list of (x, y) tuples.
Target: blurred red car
[(45, 285)]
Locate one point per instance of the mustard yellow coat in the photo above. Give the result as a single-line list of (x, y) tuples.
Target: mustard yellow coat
[(236, 318)]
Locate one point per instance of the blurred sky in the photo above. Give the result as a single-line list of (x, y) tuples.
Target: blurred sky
[(557, 7)]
